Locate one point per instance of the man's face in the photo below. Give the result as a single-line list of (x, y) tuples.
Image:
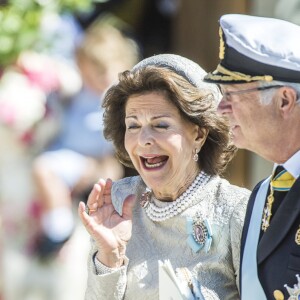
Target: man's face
[(253, 124)]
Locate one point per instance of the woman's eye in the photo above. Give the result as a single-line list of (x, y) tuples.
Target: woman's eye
[(132, 126), (162, 126)]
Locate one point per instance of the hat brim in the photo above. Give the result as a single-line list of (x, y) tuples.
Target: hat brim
[(224, 76)]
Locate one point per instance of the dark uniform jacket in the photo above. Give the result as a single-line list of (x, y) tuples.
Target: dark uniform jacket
[(278, 253)]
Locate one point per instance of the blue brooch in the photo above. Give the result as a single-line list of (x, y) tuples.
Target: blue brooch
[(200, 233)]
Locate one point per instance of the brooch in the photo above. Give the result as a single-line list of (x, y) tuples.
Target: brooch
[(146, 198), (200, 233), (295, 291)]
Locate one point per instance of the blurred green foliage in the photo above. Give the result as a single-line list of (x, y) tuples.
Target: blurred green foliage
[(20, 23)]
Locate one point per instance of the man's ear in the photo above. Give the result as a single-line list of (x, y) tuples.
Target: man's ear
[(288, 98)]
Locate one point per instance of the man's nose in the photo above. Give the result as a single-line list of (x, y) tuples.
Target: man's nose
[(224, 106)]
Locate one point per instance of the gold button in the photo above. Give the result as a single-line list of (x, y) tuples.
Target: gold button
[(278, 295)]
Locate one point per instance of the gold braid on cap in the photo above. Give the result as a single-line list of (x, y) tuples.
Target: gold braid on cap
[(222, 44), (235, 76)]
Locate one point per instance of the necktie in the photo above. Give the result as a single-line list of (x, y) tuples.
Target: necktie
[(280, 184)]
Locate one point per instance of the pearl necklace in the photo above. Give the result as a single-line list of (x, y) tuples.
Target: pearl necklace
[(187, 199)]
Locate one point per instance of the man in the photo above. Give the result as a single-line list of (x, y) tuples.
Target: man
[(259, 77)]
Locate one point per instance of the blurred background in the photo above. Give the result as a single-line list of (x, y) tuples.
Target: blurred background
[(57, 58)]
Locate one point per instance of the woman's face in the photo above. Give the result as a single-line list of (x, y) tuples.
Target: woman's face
[(161, 144)]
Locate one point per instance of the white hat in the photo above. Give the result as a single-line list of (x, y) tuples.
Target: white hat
[(257, 48), (183, 66)]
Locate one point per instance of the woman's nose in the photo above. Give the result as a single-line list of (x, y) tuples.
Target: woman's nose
[(146, 136)]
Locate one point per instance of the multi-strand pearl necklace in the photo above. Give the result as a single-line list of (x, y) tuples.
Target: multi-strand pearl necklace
[(159, 214)]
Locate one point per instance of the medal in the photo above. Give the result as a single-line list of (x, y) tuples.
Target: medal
[(268, 211), (295, 291)]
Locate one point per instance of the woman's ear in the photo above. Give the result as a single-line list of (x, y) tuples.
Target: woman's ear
[(201, 136)]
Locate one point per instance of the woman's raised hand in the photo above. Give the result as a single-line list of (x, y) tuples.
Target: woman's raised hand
[(109, 230)]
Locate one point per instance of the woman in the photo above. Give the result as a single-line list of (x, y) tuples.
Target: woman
[(162, 119)]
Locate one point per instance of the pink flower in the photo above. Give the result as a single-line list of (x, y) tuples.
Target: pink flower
[(40, 70), (7, 114)]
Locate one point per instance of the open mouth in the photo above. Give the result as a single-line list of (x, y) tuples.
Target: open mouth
[(154, 162)]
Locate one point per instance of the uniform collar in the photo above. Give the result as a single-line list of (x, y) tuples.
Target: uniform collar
[(292, 165)]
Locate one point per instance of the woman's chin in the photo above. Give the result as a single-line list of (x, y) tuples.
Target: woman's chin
[(154, 182)]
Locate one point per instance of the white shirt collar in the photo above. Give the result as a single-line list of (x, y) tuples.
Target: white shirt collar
[(292, 165)]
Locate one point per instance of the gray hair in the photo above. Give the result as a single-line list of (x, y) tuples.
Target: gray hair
[(267, 95), (185, 67)]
